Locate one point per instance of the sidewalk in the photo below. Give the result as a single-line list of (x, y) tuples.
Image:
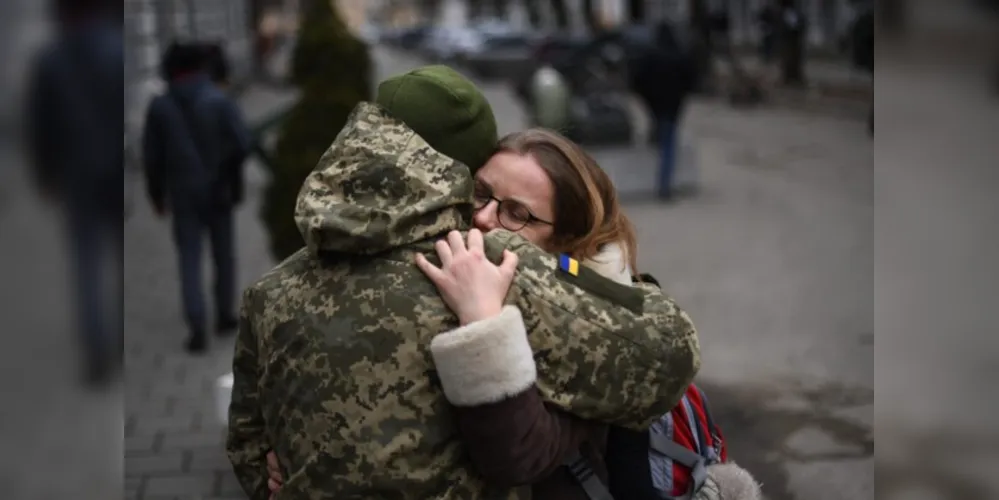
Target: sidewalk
[(833, 86)]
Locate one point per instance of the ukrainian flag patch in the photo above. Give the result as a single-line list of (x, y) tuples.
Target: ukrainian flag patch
[(568, 264)]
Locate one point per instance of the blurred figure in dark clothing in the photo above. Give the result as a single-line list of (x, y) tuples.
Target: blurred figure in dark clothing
[(767, 20), (664, 78), (862, 45), (792, 27), (74, 135), (194, 135)]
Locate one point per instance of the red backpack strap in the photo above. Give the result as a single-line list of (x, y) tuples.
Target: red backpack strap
[(694, 461), (701, 444), (717, 443)]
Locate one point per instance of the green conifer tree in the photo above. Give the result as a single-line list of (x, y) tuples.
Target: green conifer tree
[(332, 69)]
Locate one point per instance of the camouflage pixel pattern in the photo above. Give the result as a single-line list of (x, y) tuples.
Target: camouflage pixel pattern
[(332, 364), (596, 359), (378, 186)]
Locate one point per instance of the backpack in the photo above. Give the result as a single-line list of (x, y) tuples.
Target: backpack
[(668, 461)]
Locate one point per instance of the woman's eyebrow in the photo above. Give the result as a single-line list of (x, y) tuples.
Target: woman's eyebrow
[(524, 203), (520, 201)]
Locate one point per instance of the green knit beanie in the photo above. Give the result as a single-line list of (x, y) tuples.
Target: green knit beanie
[(446, 110)]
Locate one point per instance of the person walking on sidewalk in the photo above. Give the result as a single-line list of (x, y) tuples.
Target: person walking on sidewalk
[(193, 136), (74, 133), (664, 79)]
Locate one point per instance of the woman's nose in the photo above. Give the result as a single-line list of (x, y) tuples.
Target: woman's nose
[(485, 219)]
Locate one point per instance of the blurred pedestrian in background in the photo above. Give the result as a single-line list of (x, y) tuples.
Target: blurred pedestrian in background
[(194, 139), (664, 79), (73, 132), (767, 19), (862, 45), (792, 26)]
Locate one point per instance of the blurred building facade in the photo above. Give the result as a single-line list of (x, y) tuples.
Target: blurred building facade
[(829, 19)]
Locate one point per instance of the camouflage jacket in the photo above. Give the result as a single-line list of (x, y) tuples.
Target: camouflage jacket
[(332, 366)]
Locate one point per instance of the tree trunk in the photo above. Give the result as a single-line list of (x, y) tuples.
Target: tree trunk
[(430, 10), (702, 50), (590, 16), (476, 9), (791, 40), (636, 11), (561, 14), (533, 13), (254, 14), (500, 8)]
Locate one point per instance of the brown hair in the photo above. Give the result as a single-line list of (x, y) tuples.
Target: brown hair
[(588, 214)]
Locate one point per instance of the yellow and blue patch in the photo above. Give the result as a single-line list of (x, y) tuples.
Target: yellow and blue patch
[(568, 264)]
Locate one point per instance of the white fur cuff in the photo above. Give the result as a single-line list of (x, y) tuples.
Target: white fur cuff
[(486, 361), (732, 483)]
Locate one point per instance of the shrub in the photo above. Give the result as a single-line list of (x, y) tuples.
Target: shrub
[(332, 69)]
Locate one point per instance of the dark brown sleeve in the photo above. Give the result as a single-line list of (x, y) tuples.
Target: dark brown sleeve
[(519, 440), (488, 373)]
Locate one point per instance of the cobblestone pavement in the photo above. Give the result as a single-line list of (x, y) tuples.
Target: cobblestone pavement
[(772, 259)]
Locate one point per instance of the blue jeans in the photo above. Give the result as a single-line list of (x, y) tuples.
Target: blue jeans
[(96, 232), (667, 155), (189, 227)]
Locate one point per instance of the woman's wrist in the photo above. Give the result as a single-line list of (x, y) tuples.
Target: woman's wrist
[(480, 313)]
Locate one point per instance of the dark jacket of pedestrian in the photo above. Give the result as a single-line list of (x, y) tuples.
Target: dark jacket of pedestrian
[(664, 77), (194, 137), (74, 123)]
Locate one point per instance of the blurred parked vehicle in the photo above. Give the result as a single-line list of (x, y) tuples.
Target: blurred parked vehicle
[(408, 38), (579, 58), (498, 49), (450, 44), (555, 50)]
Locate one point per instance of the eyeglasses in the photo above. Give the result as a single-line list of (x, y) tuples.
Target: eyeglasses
[(512, 215)]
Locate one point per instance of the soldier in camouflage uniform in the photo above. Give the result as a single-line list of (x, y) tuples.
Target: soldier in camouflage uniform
[(332, 366)]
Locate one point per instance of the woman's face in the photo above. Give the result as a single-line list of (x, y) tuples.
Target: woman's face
[(526, 194)]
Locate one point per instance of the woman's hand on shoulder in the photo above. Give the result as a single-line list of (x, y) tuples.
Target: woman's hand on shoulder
[(472, 286)]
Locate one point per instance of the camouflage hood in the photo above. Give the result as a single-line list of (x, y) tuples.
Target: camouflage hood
[(381, 186)]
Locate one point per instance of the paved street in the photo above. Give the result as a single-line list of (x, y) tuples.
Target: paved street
[(773, 260)]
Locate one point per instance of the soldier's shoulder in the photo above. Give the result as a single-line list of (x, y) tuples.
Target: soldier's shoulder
[(539, 270), (500, 239), (288, 273)]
